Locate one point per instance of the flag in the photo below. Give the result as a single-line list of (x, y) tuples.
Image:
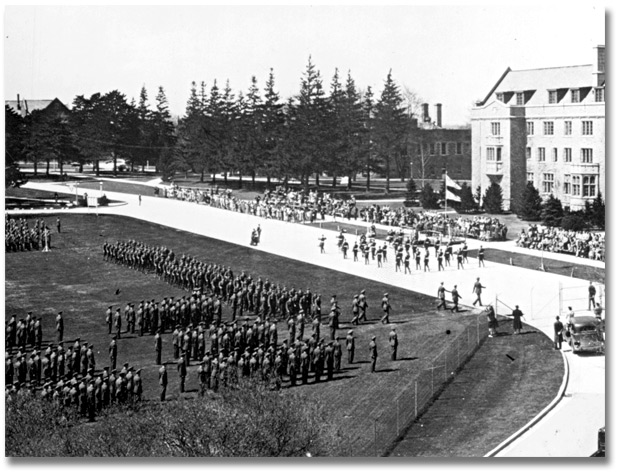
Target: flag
[(451, 183), (451, 196)]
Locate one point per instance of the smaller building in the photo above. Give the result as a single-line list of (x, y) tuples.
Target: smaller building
[(433, 148), (25, 107)]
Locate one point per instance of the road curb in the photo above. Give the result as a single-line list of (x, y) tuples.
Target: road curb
[(538, 417)]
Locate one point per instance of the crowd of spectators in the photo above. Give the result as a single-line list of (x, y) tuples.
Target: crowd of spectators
[(584, 244)]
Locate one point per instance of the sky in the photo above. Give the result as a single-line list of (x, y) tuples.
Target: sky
[(448, 54)]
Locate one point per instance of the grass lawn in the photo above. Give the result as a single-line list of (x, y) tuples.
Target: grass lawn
[(73, 278)]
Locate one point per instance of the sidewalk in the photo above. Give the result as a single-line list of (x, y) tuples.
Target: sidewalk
[(569, 430)]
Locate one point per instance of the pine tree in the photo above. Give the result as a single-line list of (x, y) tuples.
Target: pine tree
[(467, 199), (493, 199), (164, 135), (529, 205), (428, 198), (552, 211), (273, 131), (390, 125), (598, 212), (369, 110)]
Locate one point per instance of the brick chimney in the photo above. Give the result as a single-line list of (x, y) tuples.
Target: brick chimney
[(19, 104), (438, 109), (425, 117)]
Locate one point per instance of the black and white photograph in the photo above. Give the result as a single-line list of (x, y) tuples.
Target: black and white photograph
[(293, 230)]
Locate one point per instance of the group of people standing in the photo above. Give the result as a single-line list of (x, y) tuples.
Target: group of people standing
[(19, 236)]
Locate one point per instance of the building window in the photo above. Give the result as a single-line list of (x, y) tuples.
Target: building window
[(530, 128), (599, 95), (589, 186), (530, 177), (500, 96), (459, 148), (438, 148), (541, 154), (547, 183), (553, 96), (568, 128), (566, 184), (586, 128), (490, 154), (555, 154), (574, 96), (568, 154), (548, 127), (498, 154), (528, 152), (444, 149), (520, 100), (586, 155), (495, 128), (576, 186), (431, 148)]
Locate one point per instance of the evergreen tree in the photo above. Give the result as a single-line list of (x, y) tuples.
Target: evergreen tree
[(529, 205), (493, 199), (410, 195), (552, 211), (336, 141), (478, 196), (368, 147), (467, 199), (272, 119), (428, 198), (164, 135), (598, 212), (390, 125)]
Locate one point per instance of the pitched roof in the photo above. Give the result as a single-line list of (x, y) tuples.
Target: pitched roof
[(547, 79), (28, 106)]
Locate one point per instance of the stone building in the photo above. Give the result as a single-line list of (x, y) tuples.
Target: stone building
[(546, 126)]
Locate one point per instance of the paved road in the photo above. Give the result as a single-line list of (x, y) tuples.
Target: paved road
[(568, 430)]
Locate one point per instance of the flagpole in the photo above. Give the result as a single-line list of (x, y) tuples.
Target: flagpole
[(445, 200)]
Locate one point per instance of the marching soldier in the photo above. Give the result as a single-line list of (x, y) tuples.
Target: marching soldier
[(163, 382), (350, 345), (372, 348), (393, 338)]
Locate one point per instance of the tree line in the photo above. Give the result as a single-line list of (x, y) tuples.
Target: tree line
[(337, 130)]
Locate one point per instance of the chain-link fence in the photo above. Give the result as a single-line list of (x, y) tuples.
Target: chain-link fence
[(385, 427)]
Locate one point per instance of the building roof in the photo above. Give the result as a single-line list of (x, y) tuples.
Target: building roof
[(547, 79), (25, 107)]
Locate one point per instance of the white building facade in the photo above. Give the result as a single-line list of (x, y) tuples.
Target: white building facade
[(546, 126)]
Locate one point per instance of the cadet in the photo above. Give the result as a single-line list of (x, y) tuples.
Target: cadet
[(182, 369), (350, 344), (60, 327), (158, 348), (478, 291), (163, 382), (481, 257), (393, 338), (455, 300), (385, 305), (372, 347), (441, 294), (112, 351)]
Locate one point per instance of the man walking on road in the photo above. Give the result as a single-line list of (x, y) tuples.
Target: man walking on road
[(441, 294), (455, 300), (591, 295), (478, 291)]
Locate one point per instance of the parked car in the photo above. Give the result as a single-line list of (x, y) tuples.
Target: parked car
[(586, 334)]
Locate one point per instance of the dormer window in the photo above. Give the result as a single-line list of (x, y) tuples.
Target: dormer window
[(574, 96), (599, 95), (500, 97), (520, 98), (553, 96)]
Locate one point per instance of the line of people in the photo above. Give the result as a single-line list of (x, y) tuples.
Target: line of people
[(19, 236), (578, 243)]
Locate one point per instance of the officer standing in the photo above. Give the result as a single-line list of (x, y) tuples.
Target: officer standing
[(163, 382), (60, 327), (393, 338), (372, 348), (182, 369), (112, 351), (386, 307), (158, 345), (481, 257), (441, 294)]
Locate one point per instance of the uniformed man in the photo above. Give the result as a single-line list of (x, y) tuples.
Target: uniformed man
[(427, 257), (478, 291), (455, 300), (182, 370), (112, 351), (393, 339), (60, 327), (439, 255), (372, 348), (163, 382), (118, 322), (481, 257), (386, 307), (350, 345), (441, 294), (158, 345)]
